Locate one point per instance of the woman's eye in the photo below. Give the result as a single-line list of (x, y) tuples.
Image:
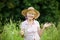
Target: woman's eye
[(32, 14)]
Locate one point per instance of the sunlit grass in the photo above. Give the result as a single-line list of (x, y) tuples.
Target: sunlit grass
[(11, 32), (50, 33)]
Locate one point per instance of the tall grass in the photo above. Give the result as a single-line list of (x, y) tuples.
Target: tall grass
[(50, 33), (58, 28), (11, 32)]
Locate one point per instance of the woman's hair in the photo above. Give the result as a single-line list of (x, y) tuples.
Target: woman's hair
[(25, 17)]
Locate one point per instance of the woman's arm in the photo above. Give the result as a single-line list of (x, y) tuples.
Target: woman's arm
[(22, 33), (40, 31), (22, 29)]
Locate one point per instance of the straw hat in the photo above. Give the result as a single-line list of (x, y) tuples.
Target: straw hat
[(37, 14)]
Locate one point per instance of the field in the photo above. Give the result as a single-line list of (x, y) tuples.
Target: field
[(11, 32)]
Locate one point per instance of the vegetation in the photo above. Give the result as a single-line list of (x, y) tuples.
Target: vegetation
[(11, 9), (11, 32)]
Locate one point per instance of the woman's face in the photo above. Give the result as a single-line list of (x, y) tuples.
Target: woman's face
[(30, 15)]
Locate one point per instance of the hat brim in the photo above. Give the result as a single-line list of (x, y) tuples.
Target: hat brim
[(24, 12)]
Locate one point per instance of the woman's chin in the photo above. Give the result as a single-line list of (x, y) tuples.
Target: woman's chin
[(30, 18)]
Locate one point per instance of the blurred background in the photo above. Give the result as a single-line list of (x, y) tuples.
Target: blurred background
[(10, 18)]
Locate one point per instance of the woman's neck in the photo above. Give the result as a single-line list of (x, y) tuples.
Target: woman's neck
[(30, 21)]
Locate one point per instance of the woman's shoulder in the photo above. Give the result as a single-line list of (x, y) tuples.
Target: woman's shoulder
[(36, 21), (23, 22)]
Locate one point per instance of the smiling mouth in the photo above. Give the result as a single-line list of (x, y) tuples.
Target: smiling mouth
[(30, 16)]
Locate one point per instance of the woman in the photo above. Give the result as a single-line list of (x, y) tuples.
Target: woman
[(30, 28)]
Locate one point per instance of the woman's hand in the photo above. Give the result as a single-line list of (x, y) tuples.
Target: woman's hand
[(22, 33), (46, 25)]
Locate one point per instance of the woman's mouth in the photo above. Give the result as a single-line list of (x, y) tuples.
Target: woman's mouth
[(30, 16)]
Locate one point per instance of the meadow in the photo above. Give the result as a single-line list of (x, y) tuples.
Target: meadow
[(12, 32)]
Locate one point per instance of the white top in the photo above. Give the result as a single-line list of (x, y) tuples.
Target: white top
[(30, 31)]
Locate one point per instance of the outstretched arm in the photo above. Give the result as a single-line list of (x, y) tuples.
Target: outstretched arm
[(40, 31)]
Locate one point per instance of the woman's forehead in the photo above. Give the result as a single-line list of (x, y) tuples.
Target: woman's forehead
[(31, 12)]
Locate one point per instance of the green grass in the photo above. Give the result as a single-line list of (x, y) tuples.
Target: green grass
[(58, 28), (50, 33), (11, 32)]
